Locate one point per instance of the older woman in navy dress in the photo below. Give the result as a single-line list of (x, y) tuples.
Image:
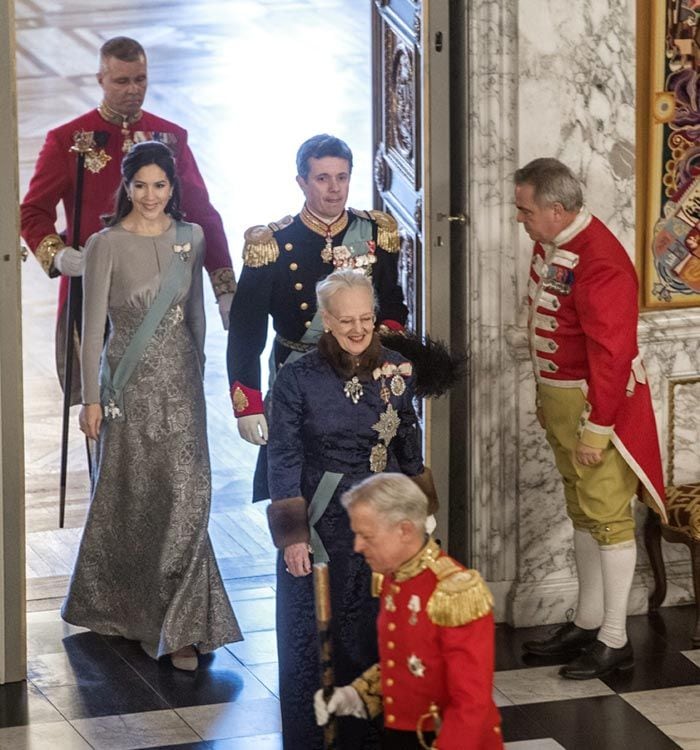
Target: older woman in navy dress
[(340, 413)]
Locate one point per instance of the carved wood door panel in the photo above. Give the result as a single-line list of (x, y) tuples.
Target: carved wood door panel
[(412, 176)]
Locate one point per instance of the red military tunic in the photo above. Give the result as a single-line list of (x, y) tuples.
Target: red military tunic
[(583, 334), (436, 648), (54, 182)]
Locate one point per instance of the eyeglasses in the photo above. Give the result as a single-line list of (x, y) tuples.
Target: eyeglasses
[(365, 321)]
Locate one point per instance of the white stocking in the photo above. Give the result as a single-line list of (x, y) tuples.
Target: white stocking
[(589, 611), (618, 562)]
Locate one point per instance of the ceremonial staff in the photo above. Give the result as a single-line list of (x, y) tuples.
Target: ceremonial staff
[(82, 145), (322, 597)]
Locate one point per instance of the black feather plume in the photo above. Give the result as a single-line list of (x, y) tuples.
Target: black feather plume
[(435, 367)]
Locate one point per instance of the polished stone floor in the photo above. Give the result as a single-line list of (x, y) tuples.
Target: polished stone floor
[(249, 79)]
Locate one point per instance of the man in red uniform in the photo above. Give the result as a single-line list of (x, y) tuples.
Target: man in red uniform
[(434, 680), (595, 405), (112, 129)]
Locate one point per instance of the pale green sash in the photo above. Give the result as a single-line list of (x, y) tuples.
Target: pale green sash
[(112, 386)]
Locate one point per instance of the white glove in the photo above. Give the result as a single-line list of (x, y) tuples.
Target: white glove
[(345, 701), (69, 261), (253, 428), (224, 303), (430, 524)]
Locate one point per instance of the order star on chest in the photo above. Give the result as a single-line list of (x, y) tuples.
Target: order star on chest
[(416, 666), (388, 424)]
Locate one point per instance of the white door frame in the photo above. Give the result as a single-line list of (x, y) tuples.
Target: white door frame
[(13, 642)]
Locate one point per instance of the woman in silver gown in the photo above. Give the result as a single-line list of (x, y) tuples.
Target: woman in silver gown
[(146, 569)]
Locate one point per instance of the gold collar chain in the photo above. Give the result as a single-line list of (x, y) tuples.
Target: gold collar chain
[(321, 227)]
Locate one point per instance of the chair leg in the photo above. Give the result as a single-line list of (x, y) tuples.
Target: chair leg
[(652, 543), (695, 562)]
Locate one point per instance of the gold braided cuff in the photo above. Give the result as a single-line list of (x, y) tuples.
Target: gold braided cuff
[(46, 251), (223, 281), (369, 688)]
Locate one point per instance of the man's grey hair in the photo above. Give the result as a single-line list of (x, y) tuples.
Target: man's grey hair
[(553, 182), (124, 48), (345, 278), (395, 498)]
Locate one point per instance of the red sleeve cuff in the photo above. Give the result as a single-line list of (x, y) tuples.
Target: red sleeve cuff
[(392, 325), (246, 401)]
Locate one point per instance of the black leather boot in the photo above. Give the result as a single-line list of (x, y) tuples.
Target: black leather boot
[(599, 660), (568, 641)]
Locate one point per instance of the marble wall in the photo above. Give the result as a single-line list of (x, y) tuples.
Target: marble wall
[(548, 78)]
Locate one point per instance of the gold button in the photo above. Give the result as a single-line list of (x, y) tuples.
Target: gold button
[(298, 286), (391, 718), (307, 324), (293, 266), (390, 682), (388, 700), (391, 645), (390, 663), (304, 305), (392, 626), (395, 589), (288, 246)]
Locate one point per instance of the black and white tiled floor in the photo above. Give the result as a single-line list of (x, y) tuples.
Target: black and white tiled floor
[(89, 691), (307, 61)]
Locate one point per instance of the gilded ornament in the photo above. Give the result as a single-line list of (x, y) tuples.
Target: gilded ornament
[(240, 401), (96, 161), (389, 604), (385, 393), (327, 252), (377, 458)]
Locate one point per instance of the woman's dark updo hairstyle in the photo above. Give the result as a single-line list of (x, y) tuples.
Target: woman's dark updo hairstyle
[(141, 155)]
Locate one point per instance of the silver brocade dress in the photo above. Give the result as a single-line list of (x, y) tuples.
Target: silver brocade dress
[(146, 569)]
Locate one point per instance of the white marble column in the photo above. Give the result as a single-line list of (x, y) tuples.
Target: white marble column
[(546, 78)]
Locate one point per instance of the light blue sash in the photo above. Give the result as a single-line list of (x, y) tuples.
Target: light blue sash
[(317, 507), (112, 386)]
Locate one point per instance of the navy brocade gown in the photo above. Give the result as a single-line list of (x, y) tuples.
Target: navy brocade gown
[(315, 428)]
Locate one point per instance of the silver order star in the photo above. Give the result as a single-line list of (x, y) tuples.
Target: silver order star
[(388, 424), (416, 666)]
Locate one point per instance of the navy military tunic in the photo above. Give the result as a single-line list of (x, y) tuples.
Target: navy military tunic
[(315, 428), (280, 281)]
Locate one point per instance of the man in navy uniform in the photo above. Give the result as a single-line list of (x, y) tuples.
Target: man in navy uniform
[(282, 261)]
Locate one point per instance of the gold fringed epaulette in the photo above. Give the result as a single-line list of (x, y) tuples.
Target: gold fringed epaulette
[(260, 247), (460, 597), (387, 231)]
